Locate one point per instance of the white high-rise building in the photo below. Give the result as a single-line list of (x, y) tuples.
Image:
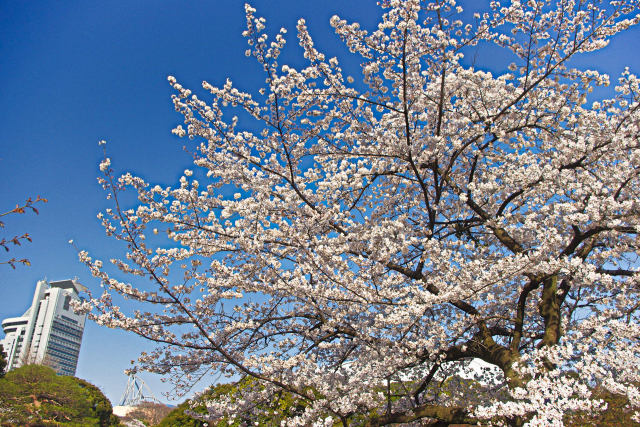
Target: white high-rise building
[(49, 332)]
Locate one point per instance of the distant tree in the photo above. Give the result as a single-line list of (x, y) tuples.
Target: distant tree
[(150, 413), (474, 192), (35, 395), (16, 240)]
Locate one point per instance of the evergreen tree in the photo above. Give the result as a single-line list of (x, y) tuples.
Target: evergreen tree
[(35, 395)]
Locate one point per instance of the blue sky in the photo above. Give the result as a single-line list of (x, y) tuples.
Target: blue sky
[(75, 72)]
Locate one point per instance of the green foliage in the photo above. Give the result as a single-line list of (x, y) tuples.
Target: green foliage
[(178, 418), (287, 405), (265, 414), (100, 406), (35, 395)]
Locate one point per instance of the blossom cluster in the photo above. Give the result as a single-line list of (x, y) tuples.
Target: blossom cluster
[(358, 242)]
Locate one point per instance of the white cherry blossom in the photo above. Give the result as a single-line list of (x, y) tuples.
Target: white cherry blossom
[(358, 241)]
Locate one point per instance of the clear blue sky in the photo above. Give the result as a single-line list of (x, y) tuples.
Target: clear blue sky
[(75, 72)]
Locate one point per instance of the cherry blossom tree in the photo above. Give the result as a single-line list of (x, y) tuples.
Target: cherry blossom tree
[(356, 242)]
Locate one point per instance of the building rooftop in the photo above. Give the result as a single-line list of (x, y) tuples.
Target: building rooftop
[(69, 284)]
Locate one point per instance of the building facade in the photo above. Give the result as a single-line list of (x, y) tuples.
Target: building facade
[(49, 332)]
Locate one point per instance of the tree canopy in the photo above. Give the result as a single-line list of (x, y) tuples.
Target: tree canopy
[(355, 241), (282, 406), (36, 395)]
